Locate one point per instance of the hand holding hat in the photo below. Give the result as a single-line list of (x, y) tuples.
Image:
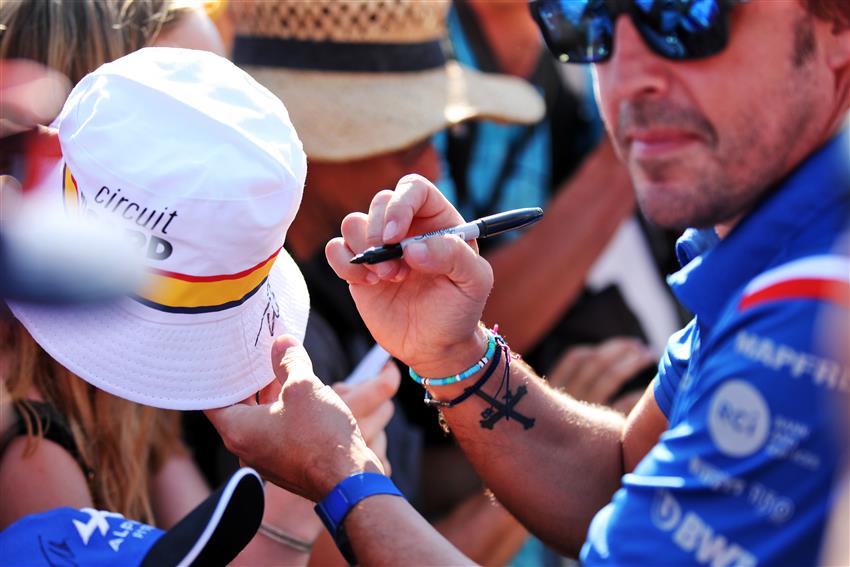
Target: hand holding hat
[(306, 448)]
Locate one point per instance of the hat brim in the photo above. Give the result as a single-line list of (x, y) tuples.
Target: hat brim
[(347, 116), (217, 529), (190, 362)]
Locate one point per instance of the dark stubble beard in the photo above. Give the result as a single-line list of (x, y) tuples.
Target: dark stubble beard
[(748, 166)]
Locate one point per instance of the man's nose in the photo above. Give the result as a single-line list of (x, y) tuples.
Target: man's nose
[(633, 71)]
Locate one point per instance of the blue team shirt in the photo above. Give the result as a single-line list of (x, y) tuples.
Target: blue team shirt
[(743, 474)]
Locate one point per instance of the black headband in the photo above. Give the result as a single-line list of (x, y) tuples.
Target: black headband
[(336, 56)]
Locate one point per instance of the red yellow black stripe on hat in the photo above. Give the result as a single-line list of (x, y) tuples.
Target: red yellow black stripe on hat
[(182, 293), (70, 191)]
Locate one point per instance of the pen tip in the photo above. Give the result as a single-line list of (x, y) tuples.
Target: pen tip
[(358, 259)]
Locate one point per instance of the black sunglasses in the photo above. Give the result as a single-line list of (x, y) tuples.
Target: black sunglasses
[(582, 31)]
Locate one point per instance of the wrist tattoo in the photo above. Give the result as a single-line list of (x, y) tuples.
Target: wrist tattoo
[(498, 410)]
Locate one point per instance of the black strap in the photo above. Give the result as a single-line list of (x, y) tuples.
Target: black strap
[(53, 425), (338, 56)]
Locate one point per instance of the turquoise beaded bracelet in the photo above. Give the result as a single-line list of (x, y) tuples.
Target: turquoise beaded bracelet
[(460, 376)]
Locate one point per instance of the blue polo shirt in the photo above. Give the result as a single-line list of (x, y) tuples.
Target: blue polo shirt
[(753, 395)]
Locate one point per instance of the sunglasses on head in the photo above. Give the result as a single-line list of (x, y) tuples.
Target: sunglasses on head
[(582, 31)]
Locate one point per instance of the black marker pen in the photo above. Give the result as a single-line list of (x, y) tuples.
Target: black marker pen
[(481, 228)]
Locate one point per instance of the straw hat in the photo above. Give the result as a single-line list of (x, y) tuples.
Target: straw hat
[(363, 77), (199, 166)]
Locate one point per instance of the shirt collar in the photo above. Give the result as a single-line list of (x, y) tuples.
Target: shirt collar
[(716, 268)]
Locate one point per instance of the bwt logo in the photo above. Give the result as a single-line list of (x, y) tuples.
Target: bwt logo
[(695, 536)]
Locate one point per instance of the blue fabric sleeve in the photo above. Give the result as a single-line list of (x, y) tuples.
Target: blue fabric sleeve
[(673, 366), (743, 475)]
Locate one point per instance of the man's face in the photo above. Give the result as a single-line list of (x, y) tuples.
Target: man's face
[(704, 139)]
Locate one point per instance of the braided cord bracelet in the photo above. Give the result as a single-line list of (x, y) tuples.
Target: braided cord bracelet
[(460, 376)]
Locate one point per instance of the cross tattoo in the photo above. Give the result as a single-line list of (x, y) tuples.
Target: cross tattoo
[(506, 410)]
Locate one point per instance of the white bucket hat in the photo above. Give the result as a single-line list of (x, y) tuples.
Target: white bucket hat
[(201, 167)]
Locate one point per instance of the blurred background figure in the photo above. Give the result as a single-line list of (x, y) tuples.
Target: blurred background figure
[(835, 330), (367, 84)]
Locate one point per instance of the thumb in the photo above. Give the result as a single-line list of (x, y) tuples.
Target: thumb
[(238, 426), (290, 361)]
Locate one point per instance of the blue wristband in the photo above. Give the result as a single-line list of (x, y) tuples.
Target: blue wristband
[(346, 495)]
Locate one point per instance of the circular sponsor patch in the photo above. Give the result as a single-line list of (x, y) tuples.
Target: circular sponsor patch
[(738, 419)]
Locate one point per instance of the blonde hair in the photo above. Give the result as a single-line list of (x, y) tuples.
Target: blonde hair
[(77, 36), (122, 443)]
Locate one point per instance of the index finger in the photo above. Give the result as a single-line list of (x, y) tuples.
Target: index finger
[(417, 206)]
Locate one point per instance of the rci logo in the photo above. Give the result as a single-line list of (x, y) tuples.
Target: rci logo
[(738, 419)]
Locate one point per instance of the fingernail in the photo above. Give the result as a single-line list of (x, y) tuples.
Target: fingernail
[(390, 231), (401, 274), (383, 270), (416, 251), (372, 279)]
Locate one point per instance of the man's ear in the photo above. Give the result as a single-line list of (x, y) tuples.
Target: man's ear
[(837, 45), (836, 52)]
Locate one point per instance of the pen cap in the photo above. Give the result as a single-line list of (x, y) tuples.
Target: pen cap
[(509, 220)]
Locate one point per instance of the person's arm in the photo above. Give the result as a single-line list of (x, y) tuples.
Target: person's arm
[(483, 530), (385, 530), (288, 522), (540, 274), (424, 309), (49, 477), (597, 373), (314, 444), (553, 465), (176, 489)]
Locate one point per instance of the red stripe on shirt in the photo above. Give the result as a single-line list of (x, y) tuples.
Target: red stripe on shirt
[(822, 289)]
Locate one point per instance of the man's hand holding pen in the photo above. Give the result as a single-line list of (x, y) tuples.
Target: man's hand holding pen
[(425, 307)]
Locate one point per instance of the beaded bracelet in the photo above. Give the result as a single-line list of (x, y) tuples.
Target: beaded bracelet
[(430, 401), (491, 348)]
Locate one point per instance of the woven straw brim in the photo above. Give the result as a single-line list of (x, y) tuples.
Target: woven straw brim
[(349, 116)]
